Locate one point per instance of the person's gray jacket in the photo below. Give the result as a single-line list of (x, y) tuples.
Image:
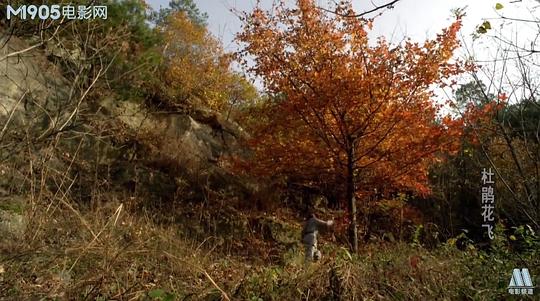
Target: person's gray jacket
[(311, 229)]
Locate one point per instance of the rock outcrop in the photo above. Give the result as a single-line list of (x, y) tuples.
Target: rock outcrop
[(157, 152)]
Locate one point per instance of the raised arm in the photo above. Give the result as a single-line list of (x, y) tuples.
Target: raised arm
[(320, 223)]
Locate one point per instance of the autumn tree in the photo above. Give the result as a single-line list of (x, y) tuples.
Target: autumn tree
[(196, 69), (343, 108)]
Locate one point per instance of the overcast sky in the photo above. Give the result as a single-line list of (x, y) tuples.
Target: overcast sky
[(417, 19)]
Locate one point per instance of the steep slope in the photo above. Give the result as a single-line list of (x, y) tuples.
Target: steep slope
[(97, 141)]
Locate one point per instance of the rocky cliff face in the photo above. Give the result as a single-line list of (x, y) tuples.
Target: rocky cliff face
[(184, 146), (103, 141)]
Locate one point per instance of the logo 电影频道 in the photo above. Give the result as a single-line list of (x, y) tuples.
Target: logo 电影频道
[(521, 282)]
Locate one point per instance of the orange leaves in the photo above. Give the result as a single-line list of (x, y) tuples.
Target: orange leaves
[(476, 114), (414, 261), (502, 97), (479, 119), (340, 96)]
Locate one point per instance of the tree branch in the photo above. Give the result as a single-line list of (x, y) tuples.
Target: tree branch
[(376, 8)]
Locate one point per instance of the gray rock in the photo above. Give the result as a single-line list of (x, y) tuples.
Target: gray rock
[(189, 142), (29, 73), (11, 224)]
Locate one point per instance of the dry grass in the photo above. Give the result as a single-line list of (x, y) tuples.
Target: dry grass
[(109, 253), (114, 249)]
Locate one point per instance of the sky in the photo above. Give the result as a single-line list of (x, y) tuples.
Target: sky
[(417, 19)]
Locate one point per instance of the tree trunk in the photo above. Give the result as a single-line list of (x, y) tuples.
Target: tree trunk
[(351, 201)]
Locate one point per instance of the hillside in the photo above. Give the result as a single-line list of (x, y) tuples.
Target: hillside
[(138, 163)]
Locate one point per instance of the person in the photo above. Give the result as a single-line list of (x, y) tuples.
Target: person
[(309, 236)]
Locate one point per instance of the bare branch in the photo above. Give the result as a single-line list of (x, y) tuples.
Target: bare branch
[(389, 5)]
